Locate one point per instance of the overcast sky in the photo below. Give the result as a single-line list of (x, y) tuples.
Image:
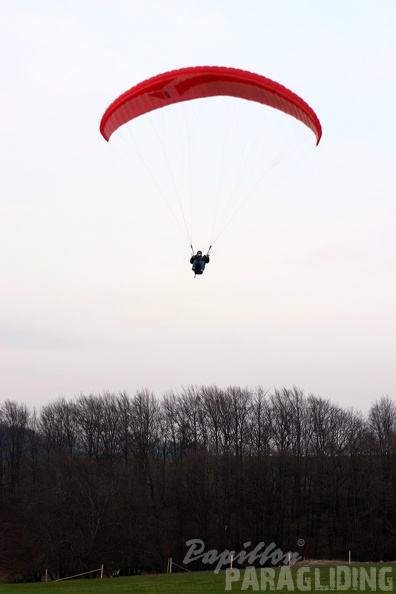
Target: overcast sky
[(96, 288)]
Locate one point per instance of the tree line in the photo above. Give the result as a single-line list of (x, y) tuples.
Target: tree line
[(127, 480)]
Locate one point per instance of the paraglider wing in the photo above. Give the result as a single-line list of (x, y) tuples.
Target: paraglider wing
[(205, 81)]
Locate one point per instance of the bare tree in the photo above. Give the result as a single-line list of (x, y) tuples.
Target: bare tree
[(260, 424), (15, 421), (58, 426), (110, 434), (125, 413), (282, 421), (90, 425), (212, 410), (145, 427), (382, 423)]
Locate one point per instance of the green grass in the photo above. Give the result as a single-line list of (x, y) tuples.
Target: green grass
[(205, 583), (209, 583)]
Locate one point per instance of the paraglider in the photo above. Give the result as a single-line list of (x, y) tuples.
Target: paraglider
[(202, 83), (198, 262)]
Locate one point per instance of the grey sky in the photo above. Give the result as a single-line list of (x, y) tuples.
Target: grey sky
[(97, 293)]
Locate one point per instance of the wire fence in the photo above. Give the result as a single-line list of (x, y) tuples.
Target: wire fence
[(70, 577)]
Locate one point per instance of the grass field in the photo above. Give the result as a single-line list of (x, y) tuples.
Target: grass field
[(366, 578), (205, 583)]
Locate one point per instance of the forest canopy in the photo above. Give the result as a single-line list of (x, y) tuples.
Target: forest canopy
[(126, 480)]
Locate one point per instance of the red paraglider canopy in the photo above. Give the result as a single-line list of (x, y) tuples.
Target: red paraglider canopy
[(205, 81)]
